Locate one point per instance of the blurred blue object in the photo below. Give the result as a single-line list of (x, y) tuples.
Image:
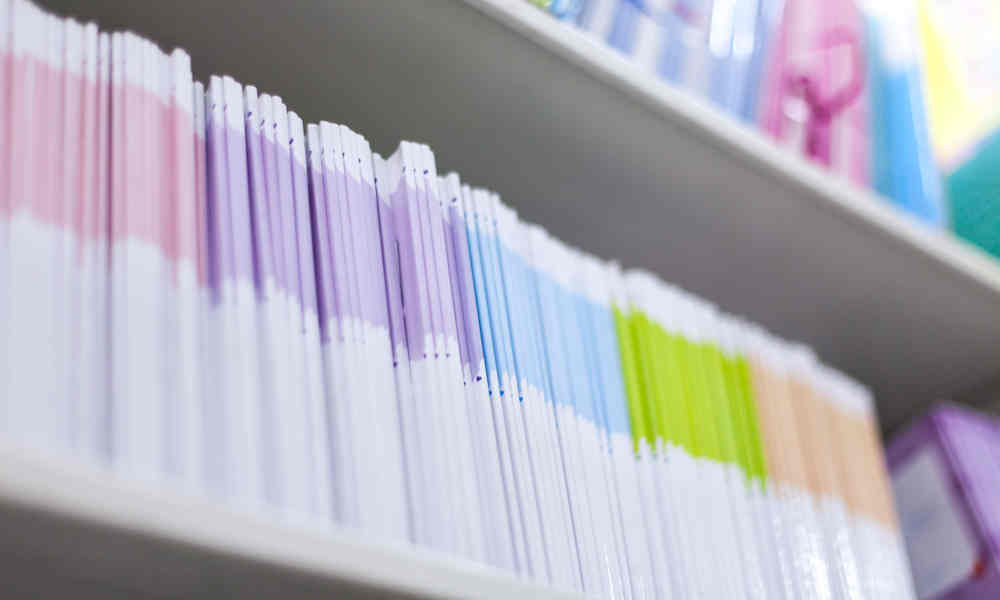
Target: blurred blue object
[(903, 166), (766, 20), (713, 48), (567, 10)]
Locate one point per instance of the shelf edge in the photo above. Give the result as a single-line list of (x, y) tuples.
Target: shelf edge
[(68, 489)]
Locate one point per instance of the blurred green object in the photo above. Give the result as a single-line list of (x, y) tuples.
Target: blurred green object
[(974, 193)]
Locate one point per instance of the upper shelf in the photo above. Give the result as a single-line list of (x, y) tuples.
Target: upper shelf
[(611, 159)]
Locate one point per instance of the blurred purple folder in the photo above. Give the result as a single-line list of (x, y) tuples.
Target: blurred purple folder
[(946, 475)]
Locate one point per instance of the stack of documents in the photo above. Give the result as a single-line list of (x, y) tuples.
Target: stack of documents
[(202, 292)]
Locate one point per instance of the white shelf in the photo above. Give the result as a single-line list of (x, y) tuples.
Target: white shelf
[(621, 164), (73, 530)]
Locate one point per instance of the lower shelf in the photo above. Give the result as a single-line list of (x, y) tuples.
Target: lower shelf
[(73, 530)]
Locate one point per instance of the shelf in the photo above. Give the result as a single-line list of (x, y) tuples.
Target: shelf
[(72, 530), (621, 164)]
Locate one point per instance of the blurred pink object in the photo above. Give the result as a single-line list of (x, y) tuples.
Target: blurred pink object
[(813, 97)]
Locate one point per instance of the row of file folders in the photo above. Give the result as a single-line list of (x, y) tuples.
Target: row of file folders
[(201, 292)]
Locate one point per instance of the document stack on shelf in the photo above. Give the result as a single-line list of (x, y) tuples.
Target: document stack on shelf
[(202, 292)]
